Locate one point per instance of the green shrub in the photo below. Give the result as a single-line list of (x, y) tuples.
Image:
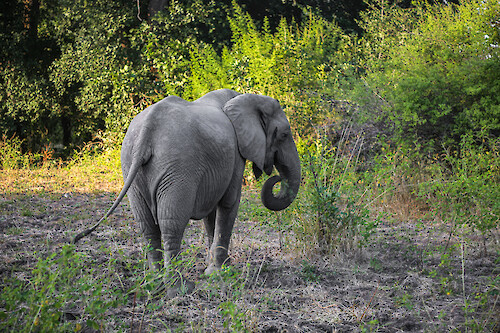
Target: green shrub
[(59, 286), (328, 213), (12, 157), (436, 71), (464, 188)]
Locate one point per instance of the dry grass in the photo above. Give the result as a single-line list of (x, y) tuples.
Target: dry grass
[(86, 174), (411, 276)]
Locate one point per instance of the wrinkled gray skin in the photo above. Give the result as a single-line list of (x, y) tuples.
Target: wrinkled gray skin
[(185, 160)]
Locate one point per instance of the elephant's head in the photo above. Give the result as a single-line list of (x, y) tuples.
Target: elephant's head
[(264, 137)]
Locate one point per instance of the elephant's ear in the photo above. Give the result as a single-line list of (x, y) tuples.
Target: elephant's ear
[(249, 114)]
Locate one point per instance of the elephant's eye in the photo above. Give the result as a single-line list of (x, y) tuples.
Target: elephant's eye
[(283, 136)]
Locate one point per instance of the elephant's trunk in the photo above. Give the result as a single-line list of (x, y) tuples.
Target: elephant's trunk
[(288, 166)]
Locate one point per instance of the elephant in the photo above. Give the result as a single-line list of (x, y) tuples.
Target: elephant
[(185, 160)]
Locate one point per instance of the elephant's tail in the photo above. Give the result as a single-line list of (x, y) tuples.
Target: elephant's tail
[(134, 168)]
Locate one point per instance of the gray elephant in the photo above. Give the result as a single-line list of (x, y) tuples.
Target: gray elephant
[(185, 160)]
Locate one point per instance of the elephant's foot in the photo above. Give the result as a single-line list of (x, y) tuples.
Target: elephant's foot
[(180, 288), (155, 266), (216, 265), (212, 268), (155, 260), (172, 288)]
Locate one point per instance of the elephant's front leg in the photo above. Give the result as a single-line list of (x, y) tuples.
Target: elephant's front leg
[(209, 222), (222, 236)]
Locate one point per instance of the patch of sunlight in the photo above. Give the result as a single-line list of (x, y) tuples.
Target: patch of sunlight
[(89, 174)]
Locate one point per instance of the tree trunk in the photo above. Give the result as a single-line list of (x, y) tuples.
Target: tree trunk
[(66, 127), (33, 16)]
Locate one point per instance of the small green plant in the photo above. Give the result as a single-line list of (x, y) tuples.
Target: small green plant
[(228, 286), (228, 282), (61, 285), (14, 231), (327, 213), (234, 318), (371, 326), (405, 301), (27, 212), (309, 272), (376, 264)]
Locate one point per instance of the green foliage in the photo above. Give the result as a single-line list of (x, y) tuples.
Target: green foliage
[(309, 272), (69, 291), (95, 80), (229, 285), (235, 320), (386, 25), (24, 110), (60, 90), (426, 71), (292, 64), (11, 156), (165, 44), (60, 285), (328, 212), (207, 71), (466, 191), (434, 67)]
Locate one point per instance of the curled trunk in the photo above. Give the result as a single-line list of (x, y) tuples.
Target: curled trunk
[(290, 182)]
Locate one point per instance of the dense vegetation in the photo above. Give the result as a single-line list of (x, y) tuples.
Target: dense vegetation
[(74, 71), (395, 106), (419, 83)]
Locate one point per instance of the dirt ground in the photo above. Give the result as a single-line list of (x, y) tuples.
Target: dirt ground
[(412, 277)]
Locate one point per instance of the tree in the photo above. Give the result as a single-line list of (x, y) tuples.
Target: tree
[(155, 6)]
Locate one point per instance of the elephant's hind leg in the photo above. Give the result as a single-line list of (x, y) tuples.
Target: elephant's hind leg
[(172, 220), (174, 206), (172, 231), (149, 229)]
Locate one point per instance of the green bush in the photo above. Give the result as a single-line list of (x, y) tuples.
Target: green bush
[(465, 186), (61, 286), (436, 71), (12, 156), (328, 215)]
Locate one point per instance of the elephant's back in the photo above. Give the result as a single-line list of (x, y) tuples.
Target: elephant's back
[(195, 135), (180, 134), (192, 149)]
